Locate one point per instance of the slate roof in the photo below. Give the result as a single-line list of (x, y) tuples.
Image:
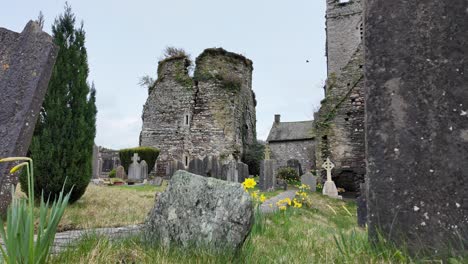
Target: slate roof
[(290, 131)]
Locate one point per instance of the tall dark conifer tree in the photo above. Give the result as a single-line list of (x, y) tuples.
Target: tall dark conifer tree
[(62, 144)]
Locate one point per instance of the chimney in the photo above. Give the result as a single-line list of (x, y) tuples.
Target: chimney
[(277, 118)]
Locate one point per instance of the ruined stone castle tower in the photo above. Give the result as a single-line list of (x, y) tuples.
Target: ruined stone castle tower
[(340, 120), (211, 114)]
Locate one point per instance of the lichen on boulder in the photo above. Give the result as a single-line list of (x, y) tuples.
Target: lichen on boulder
[(201, 212)]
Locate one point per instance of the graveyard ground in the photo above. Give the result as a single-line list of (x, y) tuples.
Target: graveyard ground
[(326, 232)]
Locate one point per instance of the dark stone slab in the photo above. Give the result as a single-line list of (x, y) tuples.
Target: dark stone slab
[(416, 121), (224, 172), (281, 184), (196, 166), (26, 63), (242, 171), (212, 167), (230, 172), (267, 175)]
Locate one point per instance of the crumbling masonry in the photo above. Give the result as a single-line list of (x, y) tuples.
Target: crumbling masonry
[(211, 114), (339, 123)]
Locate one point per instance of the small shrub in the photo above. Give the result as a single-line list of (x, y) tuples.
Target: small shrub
[(112, 173), (173, 52), (319, 187), (148, 154), (230, 81), (288, 174)]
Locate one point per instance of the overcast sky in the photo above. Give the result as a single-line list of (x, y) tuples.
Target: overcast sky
[(125, 39)]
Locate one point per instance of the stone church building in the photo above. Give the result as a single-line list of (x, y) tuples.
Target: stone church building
[(291, 141), (210, 114), (339, 124)]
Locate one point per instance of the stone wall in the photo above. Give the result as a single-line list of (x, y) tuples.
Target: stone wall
[(340, 120), (167, 110), (301, 150), (212, 114), (344, 32)]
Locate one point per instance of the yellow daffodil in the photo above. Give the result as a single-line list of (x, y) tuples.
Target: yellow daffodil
[(297, 204), (249, 183), (282, 208), (17, 167), (262, 198), (254, 195), (287, 200)]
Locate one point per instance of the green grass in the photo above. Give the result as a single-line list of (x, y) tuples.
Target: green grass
[(108, 206), (143, 188), (322, 233)]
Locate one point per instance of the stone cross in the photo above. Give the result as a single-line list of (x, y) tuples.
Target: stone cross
[(328, 166), (134, 170), (267, 152), (329, 188), (135, 158)]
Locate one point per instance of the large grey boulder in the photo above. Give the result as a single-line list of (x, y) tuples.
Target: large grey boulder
[(200, 211)]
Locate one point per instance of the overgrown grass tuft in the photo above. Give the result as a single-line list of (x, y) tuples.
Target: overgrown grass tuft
[(325, 233)]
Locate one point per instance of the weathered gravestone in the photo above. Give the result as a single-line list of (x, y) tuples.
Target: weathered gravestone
[(267, 175), (242, 172), (134, 170), (230, 172), (416, 121), (310, 180), (144, 170), (120, 173), (200, 211), (174, 166), (196, 166), (96, 170), (157, 181), (212, 167), (329, 187), (26, 63)]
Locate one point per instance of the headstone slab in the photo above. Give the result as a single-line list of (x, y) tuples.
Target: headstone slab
[(416, 98), (207, 165), (230, 172), (157, 181), (267, 175), (144, 170), (310, 180), (26, 63), (134, 170), (242, 171), (120, 173), (196, 166), (96, 171)]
